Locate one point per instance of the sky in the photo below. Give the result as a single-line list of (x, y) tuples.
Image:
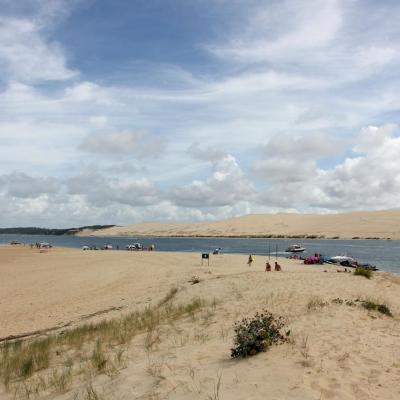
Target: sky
[(120, 112)]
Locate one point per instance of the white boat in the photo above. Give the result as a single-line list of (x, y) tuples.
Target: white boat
[(134, 246), (340, 259), (295, 248)]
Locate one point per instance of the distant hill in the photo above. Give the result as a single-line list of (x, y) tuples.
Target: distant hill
[(47, 231), (354, 225)]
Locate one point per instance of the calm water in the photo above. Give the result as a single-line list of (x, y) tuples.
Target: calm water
[(385, 254)]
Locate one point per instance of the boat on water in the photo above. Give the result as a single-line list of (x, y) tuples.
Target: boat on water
[(295, 248)]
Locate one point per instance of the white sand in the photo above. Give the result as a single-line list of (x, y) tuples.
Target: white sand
[(338, 351)]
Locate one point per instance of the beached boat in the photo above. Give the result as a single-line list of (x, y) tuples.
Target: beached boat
[(295, 248), (134, 246), (340, 259)]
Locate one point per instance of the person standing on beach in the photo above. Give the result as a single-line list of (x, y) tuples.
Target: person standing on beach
[(251, 259)]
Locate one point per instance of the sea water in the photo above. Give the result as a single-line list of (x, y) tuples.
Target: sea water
[(385, 254)]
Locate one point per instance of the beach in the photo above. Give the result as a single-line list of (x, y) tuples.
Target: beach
[(351, 225), (336, 349)]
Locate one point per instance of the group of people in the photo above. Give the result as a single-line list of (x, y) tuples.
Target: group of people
[(268, 267)]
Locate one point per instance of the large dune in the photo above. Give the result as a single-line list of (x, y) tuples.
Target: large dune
[(367, 224)]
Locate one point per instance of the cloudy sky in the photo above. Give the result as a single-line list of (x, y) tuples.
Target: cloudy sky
[(115, 111)]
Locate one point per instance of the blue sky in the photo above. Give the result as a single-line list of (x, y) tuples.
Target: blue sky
[(130, 111)]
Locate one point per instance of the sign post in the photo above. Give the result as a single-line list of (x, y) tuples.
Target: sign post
[(205, 256)]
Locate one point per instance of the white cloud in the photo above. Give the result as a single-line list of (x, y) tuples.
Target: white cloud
[(316, 25), (370, 181), (87, 92), (289, 88), (206, 153), (27, 56), (137, 144), (225, 187), (290, 159), (374, 137), (21, 185)]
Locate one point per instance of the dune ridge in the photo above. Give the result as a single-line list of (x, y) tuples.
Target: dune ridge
[(362, 224)]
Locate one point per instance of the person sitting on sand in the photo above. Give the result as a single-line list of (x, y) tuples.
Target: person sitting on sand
[(268, 267), (277, 267), (251, 259)]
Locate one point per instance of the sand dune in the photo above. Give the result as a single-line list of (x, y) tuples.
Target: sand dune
[(372, 224), (337, 351)]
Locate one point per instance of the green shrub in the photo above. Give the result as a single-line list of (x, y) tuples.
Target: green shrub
[(382, 308), (254, 335), (194, 279), (363, 272)]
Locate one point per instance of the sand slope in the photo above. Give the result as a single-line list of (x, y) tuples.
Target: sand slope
[(373, 224), (337, 351)]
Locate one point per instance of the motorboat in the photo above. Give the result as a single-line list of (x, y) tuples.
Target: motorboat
[(295, 248), (134, 246), (340, 259)]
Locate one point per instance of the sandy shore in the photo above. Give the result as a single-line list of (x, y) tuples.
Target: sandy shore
[(336, 351), (367, 225)]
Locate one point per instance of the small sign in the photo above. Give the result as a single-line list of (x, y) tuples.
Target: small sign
[(205, 256)]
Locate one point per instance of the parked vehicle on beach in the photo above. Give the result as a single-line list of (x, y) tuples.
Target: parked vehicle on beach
[(107, 247), (295, 248), (85, 248)]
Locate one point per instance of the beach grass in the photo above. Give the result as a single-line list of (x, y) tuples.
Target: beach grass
[(367, 273), (19, 360)]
